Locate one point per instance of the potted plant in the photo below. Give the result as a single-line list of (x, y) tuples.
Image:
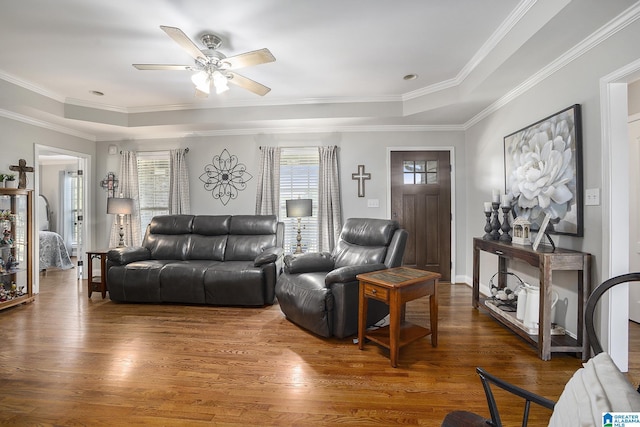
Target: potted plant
[(10, 180)]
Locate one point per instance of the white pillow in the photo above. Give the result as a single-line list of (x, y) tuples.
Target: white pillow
[(597, 387)]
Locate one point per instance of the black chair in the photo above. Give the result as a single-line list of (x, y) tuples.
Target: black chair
[(319, 290), (469, 419)]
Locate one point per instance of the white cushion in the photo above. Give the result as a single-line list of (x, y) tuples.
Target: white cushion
[(597, 387)]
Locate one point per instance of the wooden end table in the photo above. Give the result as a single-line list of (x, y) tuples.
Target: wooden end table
[(98, 283), (397, 286)]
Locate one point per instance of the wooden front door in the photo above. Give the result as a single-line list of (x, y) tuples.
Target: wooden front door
[(421, 203)]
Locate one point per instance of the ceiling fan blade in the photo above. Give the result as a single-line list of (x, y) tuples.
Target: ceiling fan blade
[(185, 42), (163, 67), (248, 59), (250, 85)]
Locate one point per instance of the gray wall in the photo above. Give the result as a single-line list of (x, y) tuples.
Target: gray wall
[(576, 83), (368, 148)]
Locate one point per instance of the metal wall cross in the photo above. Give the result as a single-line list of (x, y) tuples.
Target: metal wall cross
[(361, 177)]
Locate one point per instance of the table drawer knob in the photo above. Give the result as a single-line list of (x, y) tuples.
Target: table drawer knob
[(374, 291)]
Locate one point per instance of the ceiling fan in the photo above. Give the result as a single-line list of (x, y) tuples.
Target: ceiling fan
[(212, 67)]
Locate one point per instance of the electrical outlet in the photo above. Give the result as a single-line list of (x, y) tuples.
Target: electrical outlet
[(592, 197)]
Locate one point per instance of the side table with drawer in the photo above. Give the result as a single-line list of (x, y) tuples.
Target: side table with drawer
[(397, 286)]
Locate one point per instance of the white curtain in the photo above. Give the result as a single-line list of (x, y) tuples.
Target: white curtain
[(128, 187), (329, 205), (268, 193), (179, 202)]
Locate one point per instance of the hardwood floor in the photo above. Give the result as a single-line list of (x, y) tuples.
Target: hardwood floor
[(70, 360)]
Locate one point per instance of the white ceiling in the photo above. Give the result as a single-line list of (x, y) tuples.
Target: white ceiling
[(339, 64)]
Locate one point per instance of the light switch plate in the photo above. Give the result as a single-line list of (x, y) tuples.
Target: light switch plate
[(373, 203), (592, 197)]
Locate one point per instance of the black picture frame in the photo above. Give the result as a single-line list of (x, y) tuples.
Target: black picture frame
[(543, 172)]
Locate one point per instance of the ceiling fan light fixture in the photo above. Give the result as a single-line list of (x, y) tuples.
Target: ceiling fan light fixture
[(200, 78), (213, 67), (220, 82)]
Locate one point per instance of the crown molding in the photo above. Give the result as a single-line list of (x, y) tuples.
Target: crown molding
[(605, 32), (30, 86), (294, 130), (501, 32), (46, 125), (95, 105)]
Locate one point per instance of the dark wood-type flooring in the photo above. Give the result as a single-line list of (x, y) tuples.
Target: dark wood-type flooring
[(69, 360)]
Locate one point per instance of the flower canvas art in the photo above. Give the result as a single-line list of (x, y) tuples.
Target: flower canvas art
[(543, 172)]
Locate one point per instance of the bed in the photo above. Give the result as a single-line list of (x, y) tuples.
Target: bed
[(53, 251)]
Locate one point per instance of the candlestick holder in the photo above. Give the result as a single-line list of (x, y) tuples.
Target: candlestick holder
[(506, 227), (487, 227), (495, 222)]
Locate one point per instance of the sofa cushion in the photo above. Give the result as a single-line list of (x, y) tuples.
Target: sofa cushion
[(346, 253), (167, 246), (211, 225), (253, 224), (171, 224), (138, 281), (206, 247), (235, 283), (247, 247), (368, 232), (183, 281)]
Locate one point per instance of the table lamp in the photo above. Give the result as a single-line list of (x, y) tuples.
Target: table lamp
[(120, 206), (298, 208)]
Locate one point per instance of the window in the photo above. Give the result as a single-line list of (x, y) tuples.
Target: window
[(299, 180), (153, 186), (420, 171)]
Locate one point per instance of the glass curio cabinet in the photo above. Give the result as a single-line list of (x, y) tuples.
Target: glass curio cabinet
[(16, 247)]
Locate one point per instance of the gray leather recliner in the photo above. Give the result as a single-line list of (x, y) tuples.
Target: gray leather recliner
[(319, 291)]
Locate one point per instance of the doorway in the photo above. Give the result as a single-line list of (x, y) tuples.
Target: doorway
[(421, 203), (60, 176)]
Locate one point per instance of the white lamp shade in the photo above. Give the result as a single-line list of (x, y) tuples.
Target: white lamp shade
[(299, 208), (120, 205)]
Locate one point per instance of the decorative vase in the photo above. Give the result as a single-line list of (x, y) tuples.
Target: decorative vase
[(11, 184)]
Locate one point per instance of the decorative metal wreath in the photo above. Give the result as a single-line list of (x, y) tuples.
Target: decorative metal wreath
[(225, 177)]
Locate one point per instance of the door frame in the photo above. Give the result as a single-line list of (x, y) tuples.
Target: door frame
[(87, 208), (452, 160), (614, 117)]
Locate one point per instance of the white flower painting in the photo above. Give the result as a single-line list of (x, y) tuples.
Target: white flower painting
[(543, 171)]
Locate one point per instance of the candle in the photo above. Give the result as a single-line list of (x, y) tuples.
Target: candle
[(496, 196), (487, 206), (504, 200)]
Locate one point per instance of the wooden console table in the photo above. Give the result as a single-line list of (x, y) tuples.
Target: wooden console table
[(546, 260)]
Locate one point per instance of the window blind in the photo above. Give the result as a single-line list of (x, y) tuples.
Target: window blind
[(299, 180), (153, 185)]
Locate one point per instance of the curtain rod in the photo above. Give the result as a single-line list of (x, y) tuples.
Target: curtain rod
[(298, 146), (186, 150)]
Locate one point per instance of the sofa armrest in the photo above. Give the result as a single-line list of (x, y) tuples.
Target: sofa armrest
[(348, 273), (123, 256), (267, 256), (308, 262)]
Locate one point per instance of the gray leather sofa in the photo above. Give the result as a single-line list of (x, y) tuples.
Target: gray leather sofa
[(319, 291), (201, 259)]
